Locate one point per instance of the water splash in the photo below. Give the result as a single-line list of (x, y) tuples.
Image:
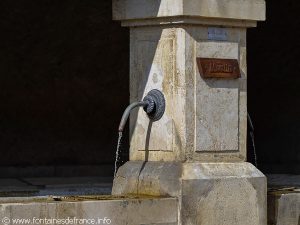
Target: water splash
[(118, 152)]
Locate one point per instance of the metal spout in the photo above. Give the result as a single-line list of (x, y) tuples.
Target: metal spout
[(153, 104), (127, 113)]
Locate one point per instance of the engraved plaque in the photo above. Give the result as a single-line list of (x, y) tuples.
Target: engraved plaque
[(219, 68)]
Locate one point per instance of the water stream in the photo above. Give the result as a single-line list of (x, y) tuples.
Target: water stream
[(118, 152), (254, 150), (252, 138)]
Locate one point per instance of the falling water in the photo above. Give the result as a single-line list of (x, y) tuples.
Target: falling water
[(118, 153), (252, 139), (254, 150)]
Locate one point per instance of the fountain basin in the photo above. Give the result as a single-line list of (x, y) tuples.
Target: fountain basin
[(116, 210)]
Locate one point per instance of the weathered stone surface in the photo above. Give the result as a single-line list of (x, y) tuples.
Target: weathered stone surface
[(205, 119), (225, 9), (156, 69), (209, 193), (123, 211), (217, 101), (284, 207), (148, 178), (223, 194)]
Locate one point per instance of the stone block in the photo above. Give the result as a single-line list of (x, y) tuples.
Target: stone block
[(284, 207), (205, 119), (116, 210), (208, 193)]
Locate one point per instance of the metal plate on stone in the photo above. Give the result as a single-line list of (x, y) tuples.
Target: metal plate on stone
[(217, 34), (219, 68)]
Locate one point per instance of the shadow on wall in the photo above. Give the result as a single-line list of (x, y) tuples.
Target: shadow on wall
[(140, 76), (64, 82)]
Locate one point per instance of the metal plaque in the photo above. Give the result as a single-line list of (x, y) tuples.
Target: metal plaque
[(217, 34), (219, 68)]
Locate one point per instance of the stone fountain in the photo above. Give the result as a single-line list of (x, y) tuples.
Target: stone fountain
[(195, 53), (189, 167)]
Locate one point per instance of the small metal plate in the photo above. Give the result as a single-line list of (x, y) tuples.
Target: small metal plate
[(219, 68), (217, 34)]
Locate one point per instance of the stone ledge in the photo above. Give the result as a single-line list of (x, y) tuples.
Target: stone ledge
[(226, 9), (166, 178), (120, 210), (185, 20)]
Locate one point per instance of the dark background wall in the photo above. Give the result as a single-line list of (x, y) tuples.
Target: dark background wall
[(64, 84), (274, 87)]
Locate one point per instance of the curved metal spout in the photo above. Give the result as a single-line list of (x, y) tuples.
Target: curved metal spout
[(153, 104), (127, 113)]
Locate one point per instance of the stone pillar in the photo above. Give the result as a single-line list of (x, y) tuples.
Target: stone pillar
[(197, 151)]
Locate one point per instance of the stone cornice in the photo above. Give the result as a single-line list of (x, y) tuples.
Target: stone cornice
[(246, 10)]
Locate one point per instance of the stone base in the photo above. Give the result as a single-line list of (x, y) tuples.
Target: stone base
[(284, 207), (209, 193)]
